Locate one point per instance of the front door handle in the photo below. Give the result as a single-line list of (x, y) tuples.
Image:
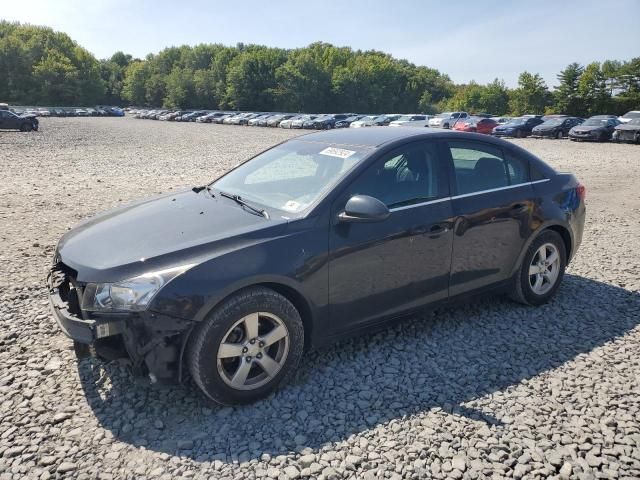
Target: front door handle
[(438, 229)]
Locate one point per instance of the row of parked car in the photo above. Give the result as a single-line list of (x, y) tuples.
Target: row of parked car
[(596, 128), (97, 111)]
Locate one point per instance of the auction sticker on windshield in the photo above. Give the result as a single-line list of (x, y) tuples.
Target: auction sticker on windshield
[(337, 152)]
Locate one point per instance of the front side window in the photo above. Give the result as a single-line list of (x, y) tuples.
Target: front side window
[(291, 176), (409, 175), (480, 167)]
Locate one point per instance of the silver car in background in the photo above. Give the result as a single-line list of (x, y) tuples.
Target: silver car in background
[(447, 119)]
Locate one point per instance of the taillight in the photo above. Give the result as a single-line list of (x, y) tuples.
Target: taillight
[(581, 191)]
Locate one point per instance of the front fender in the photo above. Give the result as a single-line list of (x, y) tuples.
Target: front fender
[(296, 260)]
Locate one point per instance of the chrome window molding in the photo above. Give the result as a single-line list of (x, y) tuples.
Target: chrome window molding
[(465, 195)]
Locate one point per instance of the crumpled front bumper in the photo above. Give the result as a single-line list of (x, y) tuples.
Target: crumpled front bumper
[(79, 329), (150, 342)]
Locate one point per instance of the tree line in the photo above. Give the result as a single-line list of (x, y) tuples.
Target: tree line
[(40, 66)]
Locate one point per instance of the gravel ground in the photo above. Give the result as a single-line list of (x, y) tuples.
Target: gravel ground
[(486, 390)]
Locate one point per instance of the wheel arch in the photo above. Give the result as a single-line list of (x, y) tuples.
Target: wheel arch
[(564, 232), (566, 238), (299, 301)]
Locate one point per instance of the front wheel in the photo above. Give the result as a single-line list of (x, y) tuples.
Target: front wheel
[(26, 127), (559, 135), (246, 347), (541, 271)]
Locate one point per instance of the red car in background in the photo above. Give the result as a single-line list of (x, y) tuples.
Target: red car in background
[(477, 124)]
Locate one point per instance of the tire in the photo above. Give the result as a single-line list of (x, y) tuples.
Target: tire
[(518, 133), (26, 127), (522, 290), (446, 125), (559, 135), (230, 323)]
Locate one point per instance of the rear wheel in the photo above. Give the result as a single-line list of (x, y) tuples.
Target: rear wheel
[(541, 271), (246, 347)]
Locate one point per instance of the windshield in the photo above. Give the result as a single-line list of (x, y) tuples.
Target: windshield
[(517, 121), (381, 118), (553, 122), (291, 176), (405, 118), (631, 115), (635, 121), (595, 122), (444, 115)]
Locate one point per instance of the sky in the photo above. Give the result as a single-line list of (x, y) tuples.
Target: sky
[(468, 40)]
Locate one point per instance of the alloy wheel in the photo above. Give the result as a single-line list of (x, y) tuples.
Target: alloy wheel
[(253, 351), (544, 269)]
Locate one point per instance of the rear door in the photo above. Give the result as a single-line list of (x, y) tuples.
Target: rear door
[(493, 202), (381, 269)]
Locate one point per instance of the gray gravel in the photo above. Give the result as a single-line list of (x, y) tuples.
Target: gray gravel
[(487, 390)]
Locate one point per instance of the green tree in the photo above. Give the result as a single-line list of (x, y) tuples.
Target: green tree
[(531, 96), (593, 90), (40, 66), (567, 98), (251, 78), (134, 89)]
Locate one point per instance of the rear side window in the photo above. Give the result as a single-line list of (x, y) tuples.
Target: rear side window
[(535, 173), (517, 170), (478, 167)]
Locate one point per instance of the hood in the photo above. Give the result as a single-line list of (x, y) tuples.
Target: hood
[(540, 128), (158, 233), (588, 128), (626, 126)]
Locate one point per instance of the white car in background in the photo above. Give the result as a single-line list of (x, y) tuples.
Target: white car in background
[(363, 122), (627, 117), (447, 119), (405, 120)]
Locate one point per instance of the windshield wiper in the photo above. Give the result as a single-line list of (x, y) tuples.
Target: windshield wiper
[(240, 201)]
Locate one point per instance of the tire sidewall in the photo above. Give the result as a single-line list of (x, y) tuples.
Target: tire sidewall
[(529, 295), (206, 339)]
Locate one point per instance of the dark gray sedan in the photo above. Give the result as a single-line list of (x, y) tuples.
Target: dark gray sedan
[(12, 121), (320, 237)]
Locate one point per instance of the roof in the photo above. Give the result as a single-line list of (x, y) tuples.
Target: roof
[(366, 136), (376, 136)]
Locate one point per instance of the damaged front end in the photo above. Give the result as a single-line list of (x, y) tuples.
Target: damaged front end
[(151, 343)]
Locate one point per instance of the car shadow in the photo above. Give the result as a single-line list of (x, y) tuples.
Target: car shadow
[(439, 361)]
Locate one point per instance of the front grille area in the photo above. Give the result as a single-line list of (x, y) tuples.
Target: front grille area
[(63, 278)]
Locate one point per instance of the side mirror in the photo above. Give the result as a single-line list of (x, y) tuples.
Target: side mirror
[(363, 208)]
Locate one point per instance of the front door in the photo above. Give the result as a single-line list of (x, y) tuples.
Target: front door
[(380, 269)]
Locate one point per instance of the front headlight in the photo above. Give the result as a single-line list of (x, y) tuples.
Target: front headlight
[(130, 295)]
